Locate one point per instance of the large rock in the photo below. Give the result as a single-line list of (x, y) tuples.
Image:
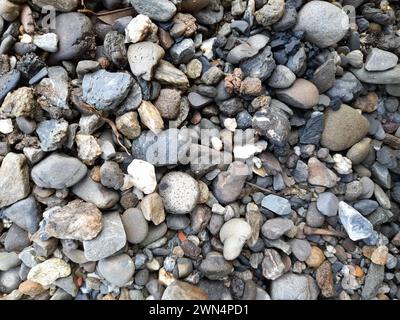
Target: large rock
[(106, 90), (294, 287), (391, 76), (302, 94), (49, 271), (343, 128), (78, 220), (324, 23), (111, 239), (179, 191), (380, 60), (76, 37), (58, 171), (14, 179), (158, 10)]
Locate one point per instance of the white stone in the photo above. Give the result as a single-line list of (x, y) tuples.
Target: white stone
[(6, 126), (144, 175), (356, 226), (26, 38), (139, 28), (342, 164), (244, 152), (216, 143), (49, 271), (128, 182), (207, 48), (233, 234), (230, 124), (47, 42)]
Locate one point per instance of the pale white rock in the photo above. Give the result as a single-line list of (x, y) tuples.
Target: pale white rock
[(207, 48), (6, 126), (216, 143), (150, 117), (244, 152), (218, 209), (144, 175), (342, 164), (139, 28), (233, 234), (230, 124), (26, 38), (356, 226), (128, 182), (88, 148), (49, 271), (47, 42)]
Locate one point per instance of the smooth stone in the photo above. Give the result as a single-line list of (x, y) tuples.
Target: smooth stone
[(327, 204), (106, 90), (359, 151), (182, 52), (314, 218), (343, 128), (276, 204), (179, 191), (301, 249), (167, 74), (215, 267), (112, 234), (8, 260), (302, 94), (177, 222), (356, 226), (91, 191), (58, 171), (324, 23), (294, 287), (9, 281), (380, 60), (208, 16), (24, 214), (274, 228), (281, 78), (117, 270), (366, 207), (16, 239), (168, 103), (158, 10), (143, 175), (391, 76), (247, 49), (233, 234), (136, 227)]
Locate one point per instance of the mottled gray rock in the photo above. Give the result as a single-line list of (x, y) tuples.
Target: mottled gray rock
[(346, 88), (117, 270), (112, 234), (94, 192), (58, 171), (52, 134), (270, 13), (24, 214), (281, 78), (182, 52), (327, 204), (111, 175), (158, 10), (106, 90), (294, 287), (260, 66), (276, 204), (324, 23), (373, 281), (215, 267), (276, 227), (324, 76), (314, 218), (59, 5), (16, 239), (380, 60), (272, 265), (391, 76), (247, 49)]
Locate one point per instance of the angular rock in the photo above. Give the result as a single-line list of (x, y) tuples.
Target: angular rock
[(320, 175), (47, 272), (179, 290), (380, 60), (215, 267), (143, 57), (52, 134), (356, 226), (276, 204), (158, 10), (294, 287), (24, 214), (143, 175), (272, 265)]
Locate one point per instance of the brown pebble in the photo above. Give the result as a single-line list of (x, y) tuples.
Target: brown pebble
[(324, 279), (380, 255), (368, 103), (95, 174), (316, 257), (31, 288)]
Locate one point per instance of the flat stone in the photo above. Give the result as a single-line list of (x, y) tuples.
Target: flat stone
[(151, 117), (359, 151), (281, 78), (373, 281), (327, 204), (167, 74), (25, 214), (276, 227), (391, 76), (302, 94), (117, 270), (135, 225), (380, 60), (215, 267), (324, 76), (14, 179), (152, 207), (276, 204), (179, 290), (294, 287), (78, 220), (9, 82), (346, 88), (113, 234)]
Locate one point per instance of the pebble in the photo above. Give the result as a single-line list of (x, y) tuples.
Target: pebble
[(270, 13), (302, 94), (162, 10), (359, 151), (14, 179), (111, 176), (31, 288), (233, 234), (10, 280), (113, 234), (117, 270), (276, 204), (8, 82), (58, 171), (276, 227), (324, 279), (152, 207), (343, 128), (150, 117), (380, 255), (179, 191), (215, 267), (168, 103), (272, 265), (88, 148), (354, 223), (294, 287), (8, 260), (135, 225), (49, 271), (247, 49), (47, 42), (391, 76), (314, 218), (342, 164), (78, 220), (138, 29), (260, 66), (380, 60), (167, 74), (143, 58), (301, 249), (281, 78), (143, 175), (59, 5), (373, 281), (324, 24), (52, 134), (180, 290), (327, 204), (320, 175), (316, 257), (182, 52)]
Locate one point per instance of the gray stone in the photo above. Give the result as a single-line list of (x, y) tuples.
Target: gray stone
[(117, 270), (346, 88), (380, 60), (143, 58), (68, 285), (294, 287), (366, 207), (327, 204), (115, 49), (47, 42), (106, 90), (356, 226), (52, 134), (324, 76), (276, 204), (301, 249), (208, 16), (276, 227), (314, 218), (391, 76), (9, 280), (180, 192), (215, 267), (382, 175), (158, 10), (16, 239), (324, 23), (272, 265), (302, 94), (247, 49), (24, 214), (135, 225), (14, 179), (8, 260), (111, 175), (281, 78), (373, 281), (112, 234), (94, 192), (58, 171), (177, 222), (260, 66), (182, 52), (59, 5)]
